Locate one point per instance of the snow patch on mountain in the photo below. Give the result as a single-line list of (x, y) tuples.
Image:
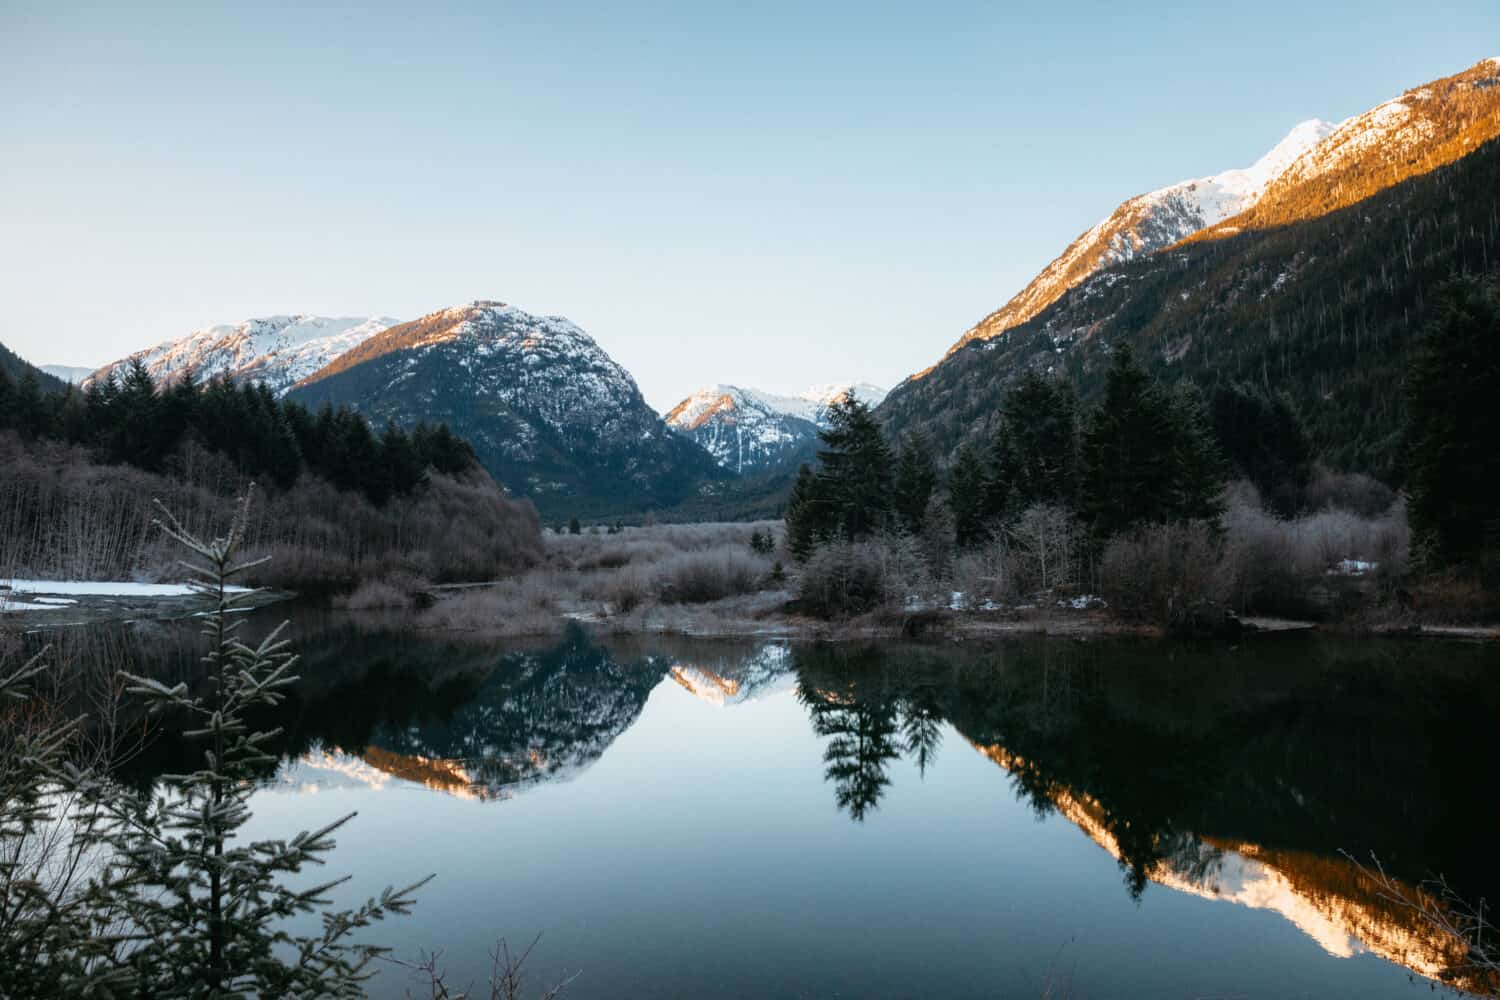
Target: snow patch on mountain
[(278, 351), (1151, 221), (748, 429)]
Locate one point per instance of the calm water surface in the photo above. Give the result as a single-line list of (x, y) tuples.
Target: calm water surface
[(764, 819)]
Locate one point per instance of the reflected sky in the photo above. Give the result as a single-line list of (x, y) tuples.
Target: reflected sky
[(760, 819)]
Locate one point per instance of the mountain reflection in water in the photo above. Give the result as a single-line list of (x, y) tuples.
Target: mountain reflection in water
[(1237, 775)]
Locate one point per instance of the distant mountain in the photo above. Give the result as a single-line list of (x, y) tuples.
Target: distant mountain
[(1147, 223), (275, 350), (1307, 291), (71, 374), (749, 431), (16, 367), (549, 413)]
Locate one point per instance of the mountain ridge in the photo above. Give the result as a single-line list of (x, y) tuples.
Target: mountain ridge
[(549, 412), (277, 350), (750, 431)]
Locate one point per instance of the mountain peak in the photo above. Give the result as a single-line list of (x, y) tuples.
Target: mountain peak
[(276, 350), (749, 430), (1148, 222), (547, 410)]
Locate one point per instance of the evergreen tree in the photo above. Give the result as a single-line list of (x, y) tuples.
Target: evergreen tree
[(1149, 456), (1263, 437), (1453, 464), (7, 401), (178, 901), (805, 521), (915, 480), (855, 480), (1198, 466), (1035, 454), (966, 497)]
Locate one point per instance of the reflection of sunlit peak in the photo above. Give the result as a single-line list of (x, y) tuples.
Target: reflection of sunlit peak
[(1327, 899), (704, 683), (374, 768), (440, 775), (330, 763)]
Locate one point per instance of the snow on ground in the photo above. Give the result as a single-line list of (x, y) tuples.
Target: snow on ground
[(94, 588)]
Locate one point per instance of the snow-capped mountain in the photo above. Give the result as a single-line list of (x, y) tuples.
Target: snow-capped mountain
[(1423, 129), (1151, 221), (549, 413), (72, 374), (1316, 290), (747, 430), (275, 350)]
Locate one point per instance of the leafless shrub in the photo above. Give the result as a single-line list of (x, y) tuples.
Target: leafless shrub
[(63, 516), (1162, 571), (625, 590), (842, 579), (507, 976), (395, 590), (699, 577), (504, 609), (1471, 925), (1283, 566), (1046, 542), (1353, 492)]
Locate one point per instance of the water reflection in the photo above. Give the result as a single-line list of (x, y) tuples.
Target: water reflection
[(1231, 775)]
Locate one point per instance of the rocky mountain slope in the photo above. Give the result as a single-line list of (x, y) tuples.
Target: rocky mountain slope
[(749, 431), (549, 413), (1322, 303), (276, 350), (1149, 222)]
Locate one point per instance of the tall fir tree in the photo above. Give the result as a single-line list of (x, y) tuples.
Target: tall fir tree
[(1148, 455), (915, 481), (1035, 454), (1263, 437), (966, 496), (855, 480), (804, 521), (1453, 464)]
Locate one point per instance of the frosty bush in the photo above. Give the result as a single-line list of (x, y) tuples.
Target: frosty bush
[(841, 579)]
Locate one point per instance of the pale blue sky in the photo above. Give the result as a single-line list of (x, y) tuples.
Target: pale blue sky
[(770, 194)]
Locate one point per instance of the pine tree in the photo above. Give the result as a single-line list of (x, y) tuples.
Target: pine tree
[(1453, 465), (178, 902), (855, 480), (1263, 437), (805, 520), (1034, 459), (915, 480), (1149, 455), (966, 497)]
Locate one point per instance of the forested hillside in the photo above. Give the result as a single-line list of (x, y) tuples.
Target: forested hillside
[(339, 501), (18, 370), (1325, 309)]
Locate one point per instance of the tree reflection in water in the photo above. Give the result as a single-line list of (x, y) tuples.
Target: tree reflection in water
[(1236, 774)]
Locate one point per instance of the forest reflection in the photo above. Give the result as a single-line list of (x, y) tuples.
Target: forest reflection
[(1239, 775)]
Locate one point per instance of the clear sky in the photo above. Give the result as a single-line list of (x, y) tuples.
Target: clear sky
[(768, 194)]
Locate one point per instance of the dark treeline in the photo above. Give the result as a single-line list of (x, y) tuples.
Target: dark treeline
[(1134, 490), (1145, 455), (338, 503), (135, 422)]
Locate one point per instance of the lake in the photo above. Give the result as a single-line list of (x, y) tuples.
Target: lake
[(684, 818)]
